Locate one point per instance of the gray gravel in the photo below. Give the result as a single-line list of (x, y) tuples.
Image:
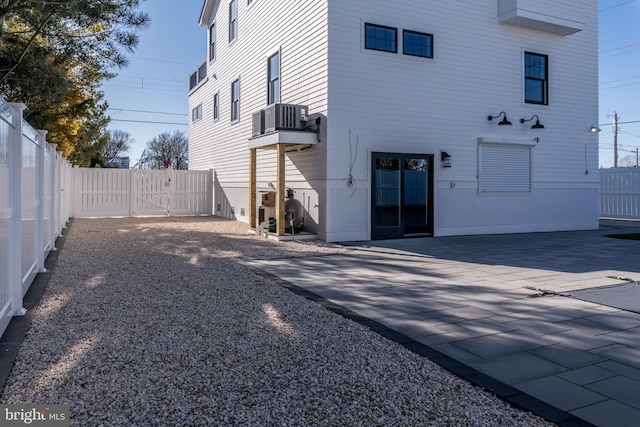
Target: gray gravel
[(154, 321)]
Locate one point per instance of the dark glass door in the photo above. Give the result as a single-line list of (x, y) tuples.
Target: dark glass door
[(401, 195)]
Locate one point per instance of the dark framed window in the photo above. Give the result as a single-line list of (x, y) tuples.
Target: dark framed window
[(273, 79), (417, 44), (216, 106), (536, 81), (212, 42), (233, 20), (235, 100), (378, 37), (196, 113)]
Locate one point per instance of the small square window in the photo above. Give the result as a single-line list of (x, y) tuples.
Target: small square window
[(536, 83), (196, 113), (378, 37), (417, 44)]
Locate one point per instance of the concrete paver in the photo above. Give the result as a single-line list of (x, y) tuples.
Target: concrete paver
[(491, 303)]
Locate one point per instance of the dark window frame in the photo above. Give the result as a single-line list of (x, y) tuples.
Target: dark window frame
[(368, 26), (542, 94), (416, 33)]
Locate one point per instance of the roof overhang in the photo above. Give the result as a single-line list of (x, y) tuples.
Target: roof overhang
[(270, 141), (207, 10)]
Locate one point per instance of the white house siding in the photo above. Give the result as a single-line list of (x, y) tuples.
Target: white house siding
[(396, 103), (384, 102), (298, 29)]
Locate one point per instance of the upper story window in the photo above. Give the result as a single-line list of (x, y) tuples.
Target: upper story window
[(417, 44), (212, 42), (198, 76), (235, 100), (196, 113), (233, 20), (536, 83), (273, 79), (216, 106), (378, 37)]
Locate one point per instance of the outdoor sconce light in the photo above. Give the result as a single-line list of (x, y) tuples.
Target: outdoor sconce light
[(445, 158), (537, 125), (595, 129), (503, 122)]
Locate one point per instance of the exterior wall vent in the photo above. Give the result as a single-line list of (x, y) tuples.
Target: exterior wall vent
[(284, 117)]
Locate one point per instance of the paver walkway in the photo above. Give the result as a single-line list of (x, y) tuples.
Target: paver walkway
[(518, 308)]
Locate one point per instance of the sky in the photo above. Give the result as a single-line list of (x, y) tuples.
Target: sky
[(150, 96)]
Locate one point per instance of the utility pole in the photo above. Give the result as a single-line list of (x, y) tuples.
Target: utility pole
[(615, 139)]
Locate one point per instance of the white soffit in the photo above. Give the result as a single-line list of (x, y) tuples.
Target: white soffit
[(269, 141), (557, 17)]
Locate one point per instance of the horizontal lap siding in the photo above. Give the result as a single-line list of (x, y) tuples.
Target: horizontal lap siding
[(223, 145), (395, 102)]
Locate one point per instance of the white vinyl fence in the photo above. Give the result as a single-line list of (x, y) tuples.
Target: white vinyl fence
[(620, 193), (136, 192), (33, 206)]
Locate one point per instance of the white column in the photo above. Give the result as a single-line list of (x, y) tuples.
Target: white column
[(41, 139), (53, 228), (15, 201)]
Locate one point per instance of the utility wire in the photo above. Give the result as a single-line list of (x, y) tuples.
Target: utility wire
[(615, 6), (147, 111), (148, 121)]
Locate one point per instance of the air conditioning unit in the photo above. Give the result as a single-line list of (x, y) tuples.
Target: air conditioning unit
[(284, 117), (258, 123)]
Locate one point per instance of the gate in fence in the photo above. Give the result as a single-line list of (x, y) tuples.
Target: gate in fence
[(136, 192)]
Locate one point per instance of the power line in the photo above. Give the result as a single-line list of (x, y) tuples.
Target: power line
[(147, 121), (620, 123), (147, 88), (147, 111), (615, 6), (168, 62)]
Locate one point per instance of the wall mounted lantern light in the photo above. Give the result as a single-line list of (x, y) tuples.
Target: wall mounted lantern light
[(537, 125), (595, 129), (445, 158), (503, 122)]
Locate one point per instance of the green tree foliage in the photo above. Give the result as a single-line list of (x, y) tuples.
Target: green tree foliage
[(53, 57), (168, 151)]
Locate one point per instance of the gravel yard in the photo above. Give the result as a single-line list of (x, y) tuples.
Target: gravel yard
[(155, 321)]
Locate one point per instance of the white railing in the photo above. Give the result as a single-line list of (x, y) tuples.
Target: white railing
[(135, 192), (33, 206), (620, 193)]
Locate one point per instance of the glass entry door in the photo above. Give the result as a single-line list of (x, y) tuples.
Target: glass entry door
[(402, 189)]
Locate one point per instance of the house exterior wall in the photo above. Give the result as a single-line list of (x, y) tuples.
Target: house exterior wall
[(296, 29), (390, 102)]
